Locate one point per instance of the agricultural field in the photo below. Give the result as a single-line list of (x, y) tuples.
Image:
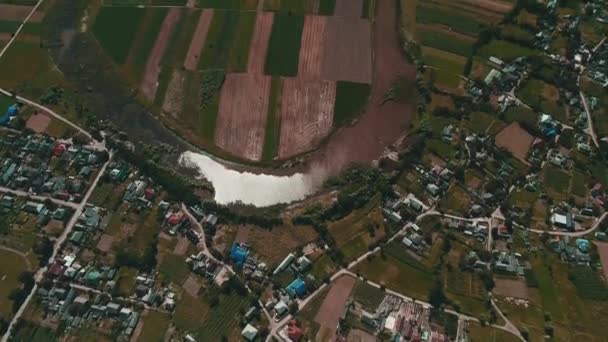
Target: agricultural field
[(11, 266), (543, 98), (302, 61)]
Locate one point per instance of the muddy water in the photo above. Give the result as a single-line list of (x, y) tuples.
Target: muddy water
[(362, 142)]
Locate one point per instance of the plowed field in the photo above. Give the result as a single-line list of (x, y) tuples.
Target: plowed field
[(311, 53)]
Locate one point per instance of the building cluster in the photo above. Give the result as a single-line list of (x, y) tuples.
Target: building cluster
[(402, 320), (41, 165), (79, 309)]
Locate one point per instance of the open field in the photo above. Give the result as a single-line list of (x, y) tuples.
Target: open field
[(442, 39), (155, 326), (273, 120), (149, 83), (111, 20), (348, 8), (241, 121), (462, 23), (17, 13), (312, 50), (506, 51), (229, 4), (259, 42), (282, 58), (516, 140), (11, 266), (216, 50), (333, 306), (351, 99), (239, 49), (306, 115), (447, 66), (347, 53), (198, 40)]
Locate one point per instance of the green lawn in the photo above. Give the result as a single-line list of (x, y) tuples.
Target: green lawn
[(284, 47), (115, 29), (11, 266), (351, 99), (556, 180), (479, 122), (368, 295), (522, 115)]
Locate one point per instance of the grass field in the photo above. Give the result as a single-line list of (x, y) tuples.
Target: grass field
[(155, 326), (399, 272), (431, 14), (351, 99), (456, 201), (216, 52), (222, 320), (111, 20), (299, 6), (447, 67), (521, 114), (11, 266), (368, 295), (479, 122), (284, 47), (273, 121), (446, 42), (556, 182), (173, 268), (478, 333), (228, 4), (148, 39), (180, 41), (326, 7), (239, 52), (506, 51)]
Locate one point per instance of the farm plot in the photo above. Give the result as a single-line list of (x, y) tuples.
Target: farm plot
[(332, 307), (441, 39), (259, 42), (174, 96), (18, 13), (198, 40), (242, 115), (111, 20), (348, 8), (506, 51), (516, 140), (229, 4), (347, 52), (306, 115), (455, 20), (282, 58), (11, 266), (312, 51), (153, 66), (447, 66), (294, 6)]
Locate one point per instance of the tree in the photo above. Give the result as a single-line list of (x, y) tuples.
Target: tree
[(436, 296)]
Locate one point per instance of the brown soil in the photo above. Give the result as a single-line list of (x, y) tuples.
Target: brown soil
[(306, 115), (333, 305), (348, 8), (311, 52), (38, 122), (174, 97), (182, 246), (105, 243), (241, 122), (19, 13), (284, 239), (348, 54), (492, 5), (515, 140), (150, 82), (381, 124), (602, 250), (511, 288), (192, 286), (198, 40), (259, 42)]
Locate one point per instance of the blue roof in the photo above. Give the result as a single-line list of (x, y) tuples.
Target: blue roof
[(296, 288), (238, 254), (10, 112)]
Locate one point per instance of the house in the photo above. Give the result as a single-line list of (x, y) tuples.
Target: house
[(297, 288), (563, 221), (249, 333), (90, 218), (33, 208), (239, 254), (7, 202), (369, 319), (281, 309), (284, 264), (433, 189)]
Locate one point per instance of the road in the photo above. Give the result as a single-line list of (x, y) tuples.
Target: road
[(589, 130), (21, 193)]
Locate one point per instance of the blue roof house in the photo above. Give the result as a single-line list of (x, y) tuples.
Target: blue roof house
[(239, 254), (297, 288), (10, 113)]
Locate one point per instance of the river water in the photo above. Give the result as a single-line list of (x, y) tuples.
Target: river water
[(261, 190)]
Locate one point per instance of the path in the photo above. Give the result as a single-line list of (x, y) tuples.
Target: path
[(22, 193), (21, 254), (589, 130), (20, 28), (573, 234)]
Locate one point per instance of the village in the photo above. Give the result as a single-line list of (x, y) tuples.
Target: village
[(485, 222)]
